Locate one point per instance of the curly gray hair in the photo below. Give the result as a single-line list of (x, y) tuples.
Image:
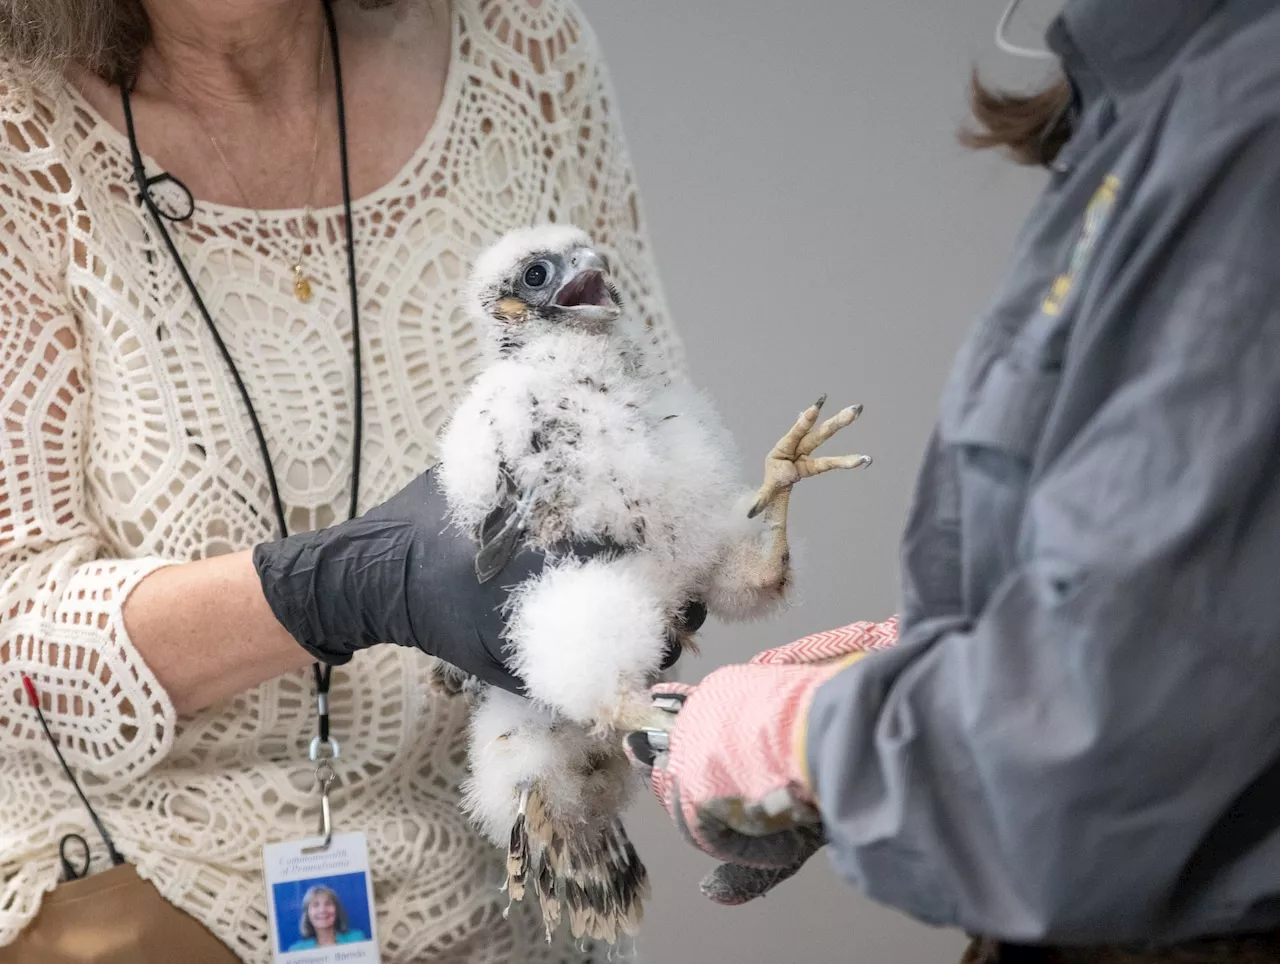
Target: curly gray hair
[(104, 36)]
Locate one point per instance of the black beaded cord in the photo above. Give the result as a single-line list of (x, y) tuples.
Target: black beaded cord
[(145, 184)]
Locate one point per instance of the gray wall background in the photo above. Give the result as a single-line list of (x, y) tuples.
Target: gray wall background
[(818, 230)]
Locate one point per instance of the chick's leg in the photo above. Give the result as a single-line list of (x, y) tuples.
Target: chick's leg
[(787, 463)]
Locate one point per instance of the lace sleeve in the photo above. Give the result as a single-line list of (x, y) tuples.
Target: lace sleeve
[(615, 216), (60, 600)]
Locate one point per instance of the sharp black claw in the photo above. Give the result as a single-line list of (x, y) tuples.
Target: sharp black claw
[(822, 400), (857, 410), (755, 510)]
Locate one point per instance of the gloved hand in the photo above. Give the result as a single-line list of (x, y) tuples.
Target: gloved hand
[(400, 574), (733, 776)]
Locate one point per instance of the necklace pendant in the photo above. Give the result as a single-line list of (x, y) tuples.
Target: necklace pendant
[(301, 285)]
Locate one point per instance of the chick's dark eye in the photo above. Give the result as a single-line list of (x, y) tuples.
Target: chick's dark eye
[(536, 275)]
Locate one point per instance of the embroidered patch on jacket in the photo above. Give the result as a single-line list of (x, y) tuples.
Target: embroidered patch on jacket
[(1095, 217)]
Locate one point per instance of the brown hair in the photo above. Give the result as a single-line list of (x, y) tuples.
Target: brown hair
[(104, 36), (1030, 128)]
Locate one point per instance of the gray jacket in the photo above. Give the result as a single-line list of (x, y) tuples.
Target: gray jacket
[(1078, 737)]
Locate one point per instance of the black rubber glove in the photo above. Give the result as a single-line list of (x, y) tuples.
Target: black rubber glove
[(400, 574)]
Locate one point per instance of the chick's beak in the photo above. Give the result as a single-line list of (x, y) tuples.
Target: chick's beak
[(586, 284), (584, 259)]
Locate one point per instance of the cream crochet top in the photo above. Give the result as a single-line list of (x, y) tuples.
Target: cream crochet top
[(124, 446)]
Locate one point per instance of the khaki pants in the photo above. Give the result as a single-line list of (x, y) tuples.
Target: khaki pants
[(113, 917), (1233, 950)]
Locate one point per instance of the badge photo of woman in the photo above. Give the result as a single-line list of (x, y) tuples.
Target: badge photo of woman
[(324, 921)]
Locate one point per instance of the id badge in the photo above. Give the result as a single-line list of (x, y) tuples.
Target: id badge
[(320, 901)]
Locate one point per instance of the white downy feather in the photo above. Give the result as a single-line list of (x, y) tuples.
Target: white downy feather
[(515, 744), (584, 633)]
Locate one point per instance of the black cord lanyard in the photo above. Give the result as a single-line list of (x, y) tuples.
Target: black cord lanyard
[(146, 186), (69, 870)]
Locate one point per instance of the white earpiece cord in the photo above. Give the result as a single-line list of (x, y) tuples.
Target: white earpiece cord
[(1008, 46)]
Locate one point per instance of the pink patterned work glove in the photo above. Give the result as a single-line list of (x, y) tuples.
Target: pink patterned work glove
[(732, 775)]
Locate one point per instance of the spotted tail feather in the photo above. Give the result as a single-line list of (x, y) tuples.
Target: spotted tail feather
[(518, 857), (593, 875)]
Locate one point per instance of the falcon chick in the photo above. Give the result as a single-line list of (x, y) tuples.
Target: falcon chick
[(574, 441)]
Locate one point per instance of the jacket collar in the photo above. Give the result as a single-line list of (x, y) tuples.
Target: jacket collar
[(1118, 47)]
